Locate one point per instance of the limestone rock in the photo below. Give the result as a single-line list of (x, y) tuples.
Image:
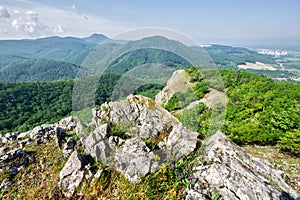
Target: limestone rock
[(193, 195), (6, 183), (138, 115), (179, 82), (96, 144), (69, 123), (133, 159), (181, 140), (235, 174), (69, 146), (72, 174)]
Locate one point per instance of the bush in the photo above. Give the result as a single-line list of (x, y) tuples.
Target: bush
[(291, 142)]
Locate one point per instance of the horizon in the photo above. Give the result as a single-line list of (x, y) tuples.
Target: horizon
[(255, 23)]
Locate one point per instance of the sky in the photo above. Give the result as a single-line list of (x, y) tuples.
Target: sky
[(206, 21)]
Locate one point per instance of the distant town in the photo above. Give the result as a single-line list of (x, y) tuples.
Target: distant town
[(271, 52)]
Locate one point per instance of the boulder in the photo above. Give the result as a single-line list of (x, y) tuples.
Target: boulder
[(97, 144), (181, 140), (234, 173), (133, 159), (72, 174)]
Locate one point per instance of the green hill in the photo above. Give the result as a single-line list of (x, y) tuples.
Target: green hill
[(20, 69)]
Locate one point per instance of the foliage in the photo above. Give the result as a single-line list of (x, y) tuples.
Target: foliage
[(19, 69), (25, 105), (291, 142), (149, 90), (260, 110)]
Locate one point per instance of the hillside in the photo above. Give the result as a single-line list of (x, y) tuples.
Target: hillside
[(20, 69)]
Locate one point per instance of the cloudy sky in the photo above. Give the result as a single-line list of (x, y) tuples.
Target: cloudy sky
[(214, 21)]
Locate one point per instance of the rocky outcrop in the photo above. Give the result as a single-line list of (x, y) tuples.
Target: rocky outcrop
[(72, 174), (139, 116), (141, 119), (179, 82), (13, 157), (233, 174)]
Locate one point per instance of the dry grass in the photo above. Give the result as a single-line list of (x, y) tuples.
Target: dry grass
[(39, 180)]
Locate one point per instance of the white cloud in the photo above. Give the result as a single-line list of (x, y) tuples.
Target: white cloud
[(26, 19), (4, 13)]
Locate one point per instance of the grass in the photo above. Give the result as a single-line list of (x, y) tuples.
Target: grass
[(38, 180)]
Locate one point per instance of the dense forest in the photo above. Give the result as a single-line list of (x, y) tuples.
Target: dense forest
[(259, 110)]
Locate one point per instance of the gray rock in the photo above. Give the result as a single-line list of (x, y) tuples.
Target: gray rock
[(71, 175), (115, 141), (138, 115), (3, 151), (69, 147), (193, 195), (23, 135), (6, 183), (179, 82), (96, 144), (181, 140), (133, 159), (235, 174), (69, 123)]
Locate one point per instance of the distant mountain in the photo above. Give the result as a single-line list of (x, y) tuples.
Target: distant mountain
[(100, 54), (95, 38), (230, 57), (67, 49), (118, 57)]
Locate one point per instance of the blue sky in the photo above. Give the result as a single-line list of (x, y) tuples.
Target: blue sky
[(214, 21)]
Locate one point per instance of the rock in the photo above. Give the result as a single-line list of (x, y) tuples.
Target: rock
[(235, 174), (193, 195), (13, 154), (40, 131), (179, 82), (72, 174), (103, 130), (139, 116), (69, 123), (69, 147), (3, 151), (97, 175), (23, 135), (24, 142), (133, 159), (115, 141), (6, 183), (181, 140), (96, 144)]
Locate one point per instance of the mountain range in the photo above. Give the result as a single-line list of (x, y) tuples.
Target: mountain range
[(55, 58)]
